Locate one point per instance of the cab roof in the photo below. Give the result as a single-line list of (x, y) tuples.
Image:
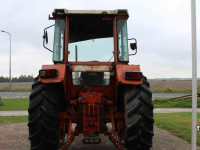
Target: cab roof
[(123, 12)]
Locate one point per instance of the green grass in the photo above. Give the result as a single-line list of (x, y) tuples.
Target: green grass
[(14, 104), (178, 103), (12, 119), (179, 124), (22, 103), (16, 90)]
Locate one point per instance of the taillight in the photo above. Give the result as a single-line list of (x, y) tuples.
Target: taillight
[(132, 75), (48, 73)]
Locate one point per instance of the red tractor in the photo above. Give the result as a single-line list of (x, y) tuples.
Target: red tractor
[(90, 85)]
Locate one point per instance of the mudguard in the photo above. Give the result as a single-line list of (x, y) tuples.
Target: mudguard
[(61, 75), (120, 69)]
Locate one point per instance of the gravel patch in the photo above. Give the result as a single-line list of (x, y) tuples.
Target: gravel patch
[(15, 137)]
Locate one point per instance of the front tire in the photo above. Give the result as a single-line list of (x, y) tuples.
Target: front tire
[(138, 117), (43, 111)]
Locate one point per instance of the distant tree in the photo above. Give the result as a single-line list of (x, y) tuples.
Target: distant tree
[(21, 78), (4, 79)]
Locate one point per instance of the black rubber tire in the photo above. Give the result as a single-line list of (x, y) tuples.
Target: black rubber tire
[(43, 120), (138, 116)]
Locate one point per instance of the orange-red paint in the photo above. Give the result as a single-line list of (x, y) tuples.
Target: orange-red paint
[(59, 78), (120, 74)]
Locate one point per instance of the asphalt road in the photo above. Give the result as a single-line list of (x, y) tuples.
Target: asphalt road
[(156, 110), (26, 95), (14, 94)]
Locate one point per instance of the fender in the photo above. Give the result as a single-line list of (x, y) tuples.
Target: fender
[(120, 71), (61, 75)]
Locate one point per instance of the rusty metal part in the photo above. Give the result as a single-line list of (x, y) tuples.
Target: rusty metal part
[(91, 112), (91, 63), (113, 136), (83, 68), (69, 136), (184, 97), (112, 120), (180, 97), (91, 98)]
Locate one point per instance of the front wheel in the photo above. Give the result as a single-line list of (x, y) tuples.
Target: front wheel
[(138, 117)]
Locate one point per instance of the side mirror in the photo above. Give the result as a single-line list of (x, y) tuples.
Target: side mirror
[(46, 37), (133, 46)]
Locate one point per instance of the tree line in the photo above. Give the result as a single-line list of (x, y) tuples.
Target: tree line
[(21, 78)]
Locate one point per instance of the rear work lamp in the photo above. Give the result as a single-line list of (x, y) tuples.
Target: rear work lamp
[(132, 75), (49, 73)]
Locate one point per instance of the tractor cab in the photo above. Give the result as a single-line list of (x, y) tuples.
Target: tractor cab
[(90, 37), (98, 35)]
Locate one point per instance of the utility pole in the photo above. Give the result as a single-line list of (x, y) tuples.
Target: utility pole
[(9, 60), (194, 75)]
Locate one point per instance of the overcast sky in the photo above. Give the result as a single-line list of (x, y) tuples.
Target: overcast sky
[(162, 28)]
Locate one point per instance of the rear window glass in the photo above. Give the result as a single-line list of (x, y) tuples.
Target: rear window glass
[(91, 78)]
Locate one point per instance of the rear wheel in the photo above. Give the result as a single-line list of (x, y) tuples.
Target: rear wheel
[(43, 111), (138, 117)]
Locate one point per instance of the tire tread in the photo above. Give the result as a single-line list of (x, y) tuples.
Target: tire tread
[(139, 116)]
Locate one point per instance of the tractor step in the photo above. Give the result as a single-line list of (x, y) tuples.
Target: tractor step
[(91, 140)]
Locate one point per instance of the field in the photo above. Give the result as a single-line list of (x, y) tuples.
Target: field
[(21, 85), (174, 86)]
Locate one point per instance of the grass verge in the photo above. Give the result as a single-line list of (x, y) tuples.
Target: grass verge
[(178, 103), (12, 119), (22, 103), (179, 124), (14, 104)]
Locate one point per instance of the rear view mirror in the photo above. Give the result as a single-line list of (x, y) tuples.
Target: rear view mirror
[(133, 46), (46, 37)]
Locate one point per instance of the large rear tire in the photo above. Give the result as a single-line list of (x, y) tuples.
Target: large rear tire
[(138, 117), (43, 111)]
